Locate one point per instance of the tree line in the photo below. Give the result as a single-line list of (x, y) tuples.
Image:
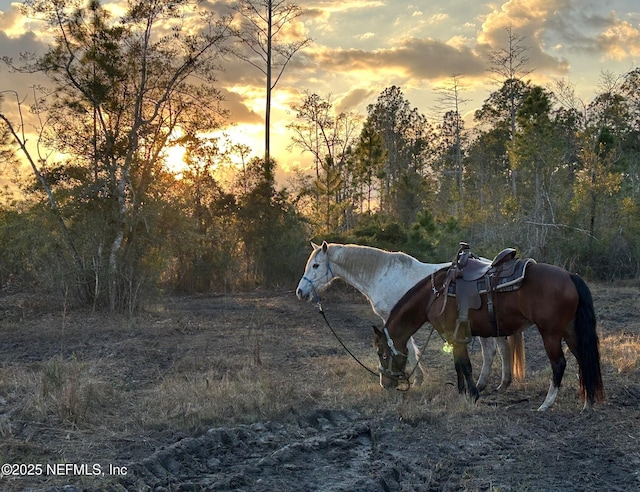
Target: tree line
[(101, 220), (540, 170)]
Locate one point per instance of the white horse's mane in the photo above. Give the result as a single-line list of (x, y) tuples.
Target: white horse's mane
[(367, 261)]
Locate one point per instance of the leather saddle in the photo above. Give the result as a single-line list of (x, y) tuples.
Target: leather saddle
[(469, 277)]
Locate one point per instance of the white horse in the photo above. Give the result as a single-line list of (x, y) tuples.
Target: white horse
[(383, 278)]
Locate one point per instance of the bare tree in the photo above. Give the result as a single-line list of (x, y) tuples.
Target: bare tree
[(264, 23), (450, 102), (328, 136), (15, 133), (510, 66)]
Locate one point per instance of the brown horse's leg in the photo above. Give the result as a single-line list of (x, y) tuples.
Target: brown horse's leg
[(464, 371), (553, 348)]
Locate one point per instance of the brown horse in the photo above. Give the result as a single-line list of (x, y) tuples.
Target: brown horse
[(558, 303)]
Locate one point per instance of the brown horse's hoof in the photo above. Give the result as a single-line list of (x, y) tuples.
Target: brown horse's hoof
[(588, 407)]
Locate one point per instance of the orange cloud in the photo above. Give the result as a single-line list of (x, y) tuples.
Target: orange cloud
[(620, 41)]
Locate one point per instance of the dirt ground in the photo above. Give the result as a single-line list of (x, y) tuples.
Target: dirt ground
[(321, 422)]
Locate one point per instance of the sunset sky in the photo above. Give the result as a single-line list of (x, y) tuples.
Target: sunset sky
[(361, 47)]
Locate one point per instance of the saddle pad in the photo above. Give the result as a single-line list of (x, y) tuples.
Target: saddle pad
[(504, 284)]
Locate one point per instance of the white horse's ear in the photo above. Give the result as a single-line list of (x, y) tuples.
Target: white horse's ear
[(315, 246), (325, 246)]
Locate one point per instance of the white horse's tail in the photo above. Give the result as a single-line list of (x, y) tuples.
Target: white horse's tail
[(516, 344)]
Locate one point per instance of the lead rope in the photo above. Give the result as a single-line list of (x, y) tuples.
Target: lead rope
[(341, 342), (317, 299), (324, 316), (376, 374)]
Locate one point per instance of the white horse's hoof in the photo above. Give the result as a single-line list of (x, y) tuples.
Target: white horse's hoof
[(503, 386)]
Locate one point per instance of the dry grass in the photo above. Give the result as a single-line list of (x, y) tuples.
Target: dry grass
[(193, 400), (124, 387), (197, 393), (622, 351), (62, 392)]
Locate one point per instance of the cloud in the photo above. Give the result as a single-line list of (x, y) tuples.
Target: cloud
[(329, 7), (366, 36), (422, 59), (21, 83), (27, 42), (438, 18), (353, 99), (554, 30), (331, 16), (240, 112), (531, 21), (619, 41), (11, 21)]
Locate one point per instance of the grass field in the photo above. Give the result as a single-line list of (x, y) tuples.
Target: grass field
[(81, 387)]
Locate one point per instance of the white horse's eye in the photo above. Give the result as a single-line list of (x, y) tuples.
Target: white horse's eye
[(315, 265)]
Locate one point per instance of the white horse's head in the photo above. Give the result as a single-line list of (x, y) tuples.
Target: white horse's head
[(317, 273)]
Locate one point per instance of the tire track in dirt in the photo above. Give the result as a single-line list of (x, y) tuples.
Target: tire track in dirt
[(326, 450)]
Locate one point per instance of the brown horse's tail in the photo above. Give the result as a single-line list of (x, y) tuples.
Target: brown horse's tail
[(516, 343), (587, 344)]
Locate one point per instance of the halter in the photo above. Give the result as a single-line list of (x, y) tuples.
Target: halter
[(328, 276), (401, 376)]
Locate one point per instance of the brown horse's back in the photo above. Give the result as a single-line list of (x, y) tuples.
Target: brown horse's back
[(546, 298), (547, 295)]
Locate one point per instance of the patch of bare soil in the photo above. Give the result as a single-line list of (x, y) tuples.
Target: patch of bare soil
[(252, 392)]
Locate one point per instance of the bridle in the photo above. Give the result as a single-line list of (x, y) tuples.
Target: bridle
[(328, 275), (400, 375)]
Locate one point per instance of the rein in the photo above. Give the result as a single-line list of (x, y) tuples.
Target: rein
[(324, 316), (402, 378), (342, 343)]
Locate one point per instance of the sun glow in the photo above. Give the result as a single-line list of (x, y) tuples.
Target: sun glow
[(239, 144), (250, 137), (174, 160)]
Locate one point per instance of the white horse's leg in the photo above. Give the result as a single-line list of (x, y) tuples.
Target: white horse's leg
[(505, 353), (414, 355), (488, 354), (551, 397)]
